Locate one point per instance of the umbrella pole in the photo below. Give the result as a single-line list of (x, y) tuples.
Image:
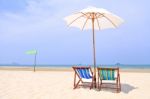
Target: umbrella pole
[(94, 57)]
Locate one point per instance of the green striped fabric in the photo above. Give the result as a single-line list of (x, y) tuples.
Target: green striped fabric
[(107, 74)]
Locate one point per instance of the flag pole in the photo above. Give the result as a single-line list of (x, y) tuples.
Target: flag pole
[(35, 61)]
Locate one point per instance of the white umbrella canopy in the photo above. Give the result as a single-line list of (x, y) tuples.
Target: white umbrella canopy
[(93, 18), (103, 19)]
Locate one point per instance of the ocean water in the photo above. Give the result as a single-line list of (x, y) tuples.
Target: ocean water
[(126, 66)]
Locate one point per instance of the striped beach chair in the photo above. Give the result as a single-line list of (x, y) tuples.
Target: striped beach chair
[(84, 74), (111, 76)]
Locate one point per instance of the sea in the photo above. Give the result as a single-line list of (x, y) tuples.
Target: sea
[(124, 66)]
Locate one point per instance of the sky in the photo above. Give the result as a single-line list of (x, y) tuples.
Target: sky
[(40, 25)]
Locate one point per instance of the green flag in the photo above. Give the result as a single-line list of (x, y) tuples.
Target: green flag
[(31, 52)]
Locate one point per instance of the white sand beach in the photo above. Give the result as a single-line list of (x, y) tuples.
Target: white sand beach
[(19, 84)]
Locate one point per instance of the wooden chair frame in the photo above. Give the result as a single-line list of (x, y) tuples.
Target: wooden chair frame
[(76, 84), (117, 84)]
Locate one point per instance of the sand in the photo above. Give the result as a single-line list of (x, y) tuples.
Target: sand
[(24, 84)]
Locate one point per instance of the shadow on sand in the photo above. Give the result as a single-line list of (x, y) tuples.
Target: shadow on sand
[(125, 88)]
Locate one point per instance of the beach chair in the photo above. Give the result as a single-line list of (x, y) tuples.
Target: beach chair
[(85, 76), (109, 78)]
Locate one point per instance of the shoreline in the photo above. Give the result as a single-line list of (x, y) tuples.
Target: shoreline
[(25, 68)]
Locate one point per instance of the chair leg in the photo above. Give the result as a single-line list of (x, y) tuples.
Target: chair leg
[(119, 84), (95, 82), (74, 80), (119, 87), (77, 84), (91, 84), (100, 85)]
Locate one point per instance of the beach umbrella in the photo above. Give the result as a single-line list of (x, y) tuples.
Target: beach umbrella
[(33, 52), (95, 19)]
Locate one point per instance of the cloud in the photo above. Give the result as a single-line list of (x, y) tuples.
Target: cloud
[(38, 17), (42, 16), (34, 18)]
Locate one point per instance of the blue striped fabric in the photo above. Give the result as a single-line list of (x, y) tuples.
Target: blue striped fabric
[(84, 73)]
